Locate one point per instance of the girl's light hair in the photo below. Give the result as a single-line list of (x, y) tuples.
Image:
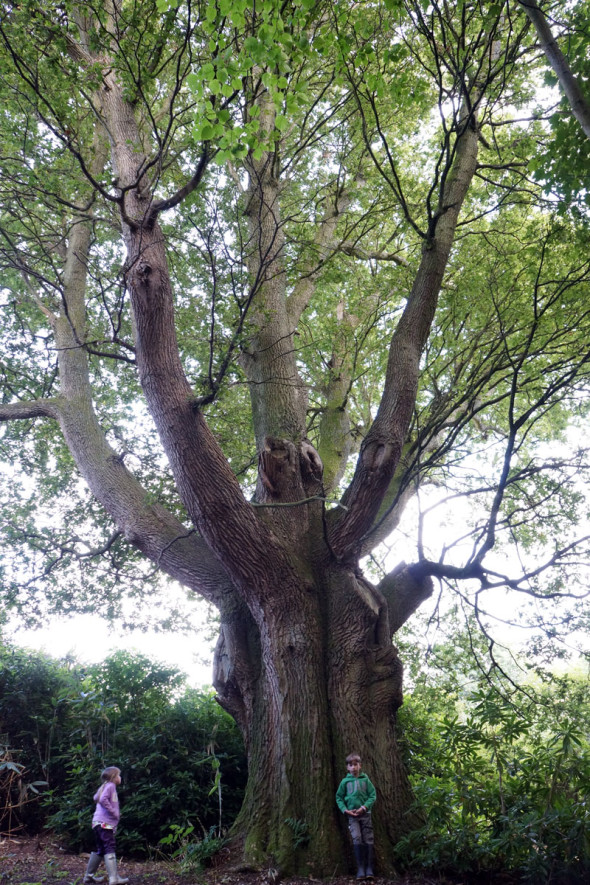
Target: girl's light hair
[(110, 773)]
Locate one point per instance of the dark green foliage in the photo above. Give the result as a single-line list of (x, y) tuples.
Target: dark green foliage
[(501, 782), (31, 716), (180, 754)]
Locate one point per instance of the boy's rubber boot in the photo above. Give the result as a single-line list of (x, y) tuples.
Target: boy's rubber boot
[(369, 874), (93, 864), (359, 855), (110, 862)]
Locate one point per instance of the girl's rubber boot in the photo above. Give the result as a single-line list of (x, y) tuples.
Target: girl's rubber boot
[(110, 862), (93, 864), (369, 874), (359, 856)]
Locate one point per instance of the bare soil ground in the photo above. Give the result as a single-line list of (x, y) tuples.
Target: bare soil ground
[(43, 862)]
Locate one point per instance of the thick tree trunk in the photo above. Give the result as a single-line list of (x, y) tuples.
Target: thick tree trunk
[(340, 685), (277, 394)]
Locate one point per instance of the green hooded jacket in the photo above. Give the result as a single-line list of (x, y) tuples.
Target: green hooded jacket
[(354, 792)]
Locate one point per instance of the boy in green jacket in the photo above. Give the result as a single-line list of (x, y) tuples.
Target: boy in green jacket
[(355, 797)]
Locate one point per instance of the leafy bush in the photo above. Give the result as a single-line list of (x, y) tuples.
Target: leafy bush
[(181, 755), (17, 793), (501, 784), (31, 717)]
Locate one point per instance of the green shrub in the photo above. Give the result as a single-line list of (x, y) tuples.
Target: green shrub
[(31, 719), (501, 786), (181, 755)]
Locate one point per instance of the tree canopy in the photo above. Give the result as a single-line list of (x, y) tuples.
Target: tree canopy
[(269, 273)]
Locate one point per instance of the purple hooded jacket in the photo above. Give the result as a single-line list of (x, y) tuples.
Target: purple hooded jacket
[(107, 806)]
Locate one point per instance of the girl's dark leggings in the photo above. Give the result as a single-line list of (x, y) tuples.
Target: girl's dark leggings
[(105, 840)]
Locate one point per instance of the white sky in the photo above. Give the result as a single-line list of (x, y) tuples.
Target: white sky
[(90, 639)]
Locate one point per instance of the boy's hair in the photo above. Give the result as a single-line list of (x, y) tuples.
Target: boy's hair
[(110, 773), (352, 757)]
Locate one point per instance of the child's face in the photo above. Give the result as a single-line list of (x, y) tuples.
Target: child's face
[(354, 767), (117, 779)]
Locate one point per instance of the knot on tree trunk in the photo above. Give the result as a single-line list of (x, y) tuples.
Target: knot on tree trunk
[(376, 455), (386, 678), (289, 473), (312, 469), (143, 271), (278, 468)]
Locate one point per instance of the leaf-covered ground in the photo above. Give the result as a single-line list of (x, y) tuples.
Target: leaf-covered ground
[(43, 862)]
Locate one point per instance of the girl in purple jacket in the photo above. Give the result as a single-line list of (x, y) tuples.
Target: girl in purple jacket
[(104, 825)]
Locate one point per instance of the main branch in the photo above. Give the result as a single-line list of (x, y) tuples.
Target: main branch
[(382, 448)]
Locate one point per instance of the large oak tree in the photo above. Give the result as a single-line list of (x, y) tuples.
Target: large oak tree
[(269, 268)]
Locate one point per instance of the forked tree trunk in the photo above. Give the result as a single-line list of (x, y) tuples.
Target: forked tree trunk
[(305, 661)]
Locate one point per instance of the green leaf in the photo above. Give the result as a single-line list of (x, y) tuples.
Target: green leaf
[(207, 132)]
